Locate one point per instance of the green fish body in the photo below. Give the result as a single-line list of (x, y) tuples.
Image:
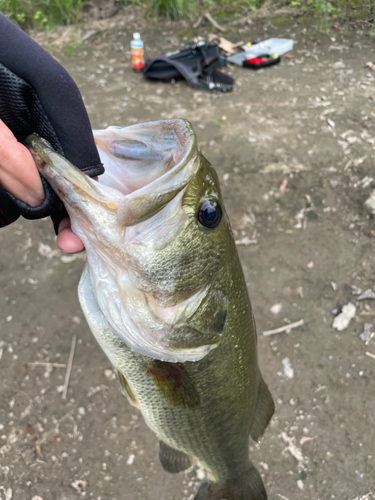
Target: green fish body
[(164, 294)]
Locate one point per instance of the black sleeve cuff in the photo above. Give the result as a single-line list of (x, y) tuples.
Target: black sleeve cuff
[(94, 171), (8, 212), (14, 207), (39, 212)]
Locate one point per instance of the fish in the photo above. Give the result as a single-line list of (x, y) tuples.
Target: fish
[(164, 294)]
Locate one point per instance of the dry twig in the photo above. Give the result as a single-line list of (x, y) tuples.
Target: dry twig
[(214, 23), (285, 328), (198, 22), (52, 365)]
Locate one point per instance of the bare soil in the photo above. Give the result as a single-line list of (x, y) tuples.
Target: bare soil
[(294, 147)]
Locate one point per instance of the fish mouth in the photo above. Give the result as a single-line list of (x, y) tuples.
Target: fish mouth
[(146, 166), (157, 160)]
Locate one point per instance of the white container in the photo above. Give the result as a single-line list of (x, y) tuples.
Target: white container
[(136, 48), (272, 46)]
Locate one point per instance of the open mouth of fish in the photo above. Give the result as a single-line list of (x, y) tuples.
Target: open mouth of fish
[(134, 210)]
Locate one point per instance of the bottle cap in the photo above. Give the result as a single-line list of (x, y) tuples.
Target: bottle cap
[(136, 36)]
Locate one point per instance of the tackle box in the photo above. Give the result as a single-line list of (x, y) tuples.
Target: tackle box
[(271, 47)]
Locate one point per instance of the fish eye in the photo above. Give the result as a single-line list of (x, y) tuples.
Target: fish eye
[(209, 214)]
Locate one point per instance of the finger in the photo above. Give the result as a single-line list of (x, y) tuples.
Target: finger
[(18, 172), (66, 240)]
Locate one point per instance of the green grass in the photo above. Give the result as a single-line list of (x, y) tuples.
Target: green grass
[(49, 13), (327, 11), (173, 9), (42, 13)]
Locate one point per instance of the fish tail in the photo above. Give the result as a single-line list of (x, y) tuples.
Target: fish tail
[(248, 486)]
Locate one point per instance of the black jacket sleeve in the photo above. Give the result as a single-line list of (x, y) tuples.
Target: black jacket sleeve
[(38, 95)]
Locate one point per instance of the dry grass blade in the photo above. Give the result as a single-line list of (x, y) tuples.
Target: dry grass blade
[(46, 364), (69, 368)]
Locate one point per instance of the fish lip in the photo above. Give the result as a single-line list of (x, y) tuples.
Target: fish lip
[(54, 167), (44, 154)]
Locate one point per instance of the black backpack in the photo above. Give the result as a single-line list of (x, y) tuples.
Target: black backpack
[(196, 64)]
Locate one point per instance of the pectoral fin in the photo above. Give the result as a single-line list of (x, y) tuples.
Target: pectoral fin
[(172, 460), (126, 389), (202, 323), (174, 383)]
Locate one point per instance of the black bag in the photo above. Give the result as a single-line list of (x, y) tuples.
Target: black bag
[(196, 64)]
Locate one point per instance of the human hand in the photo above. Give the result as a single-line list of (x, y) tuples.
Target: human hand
[(20, 177)]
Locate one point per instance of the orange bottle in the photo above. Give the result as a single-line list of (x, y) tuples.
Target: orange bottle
[(136, 47)]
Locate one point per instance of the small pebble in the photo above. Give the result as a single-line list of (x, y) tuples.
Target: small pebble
[(276, 308), (287, 368)]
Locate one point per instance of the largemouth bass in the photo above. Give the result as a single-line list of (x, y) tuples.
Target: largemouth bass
[(164, 294)]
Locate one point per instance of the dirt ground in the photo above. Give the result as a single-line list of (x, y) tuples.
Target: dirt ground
[(294, 147)]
